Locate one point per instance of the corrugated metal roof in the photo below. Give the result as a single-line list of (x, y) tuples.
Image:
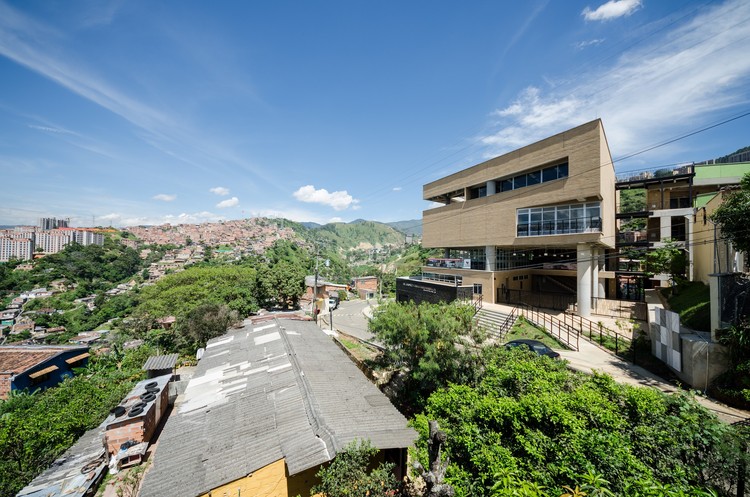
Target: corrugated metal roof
[(160, 362), (278, 389), (73, 473)]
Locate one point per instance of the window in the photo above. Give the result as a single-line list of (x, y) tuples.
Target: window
[(559, 220), (551, 173), (478, 192), (477, 288), (506, 185), (534, 178)]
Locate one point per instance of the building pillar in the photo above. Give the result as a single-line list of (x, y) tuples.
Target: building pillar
[(584, 279), (689, 247), (491, 188), (715, 303), (595, 272), (490, 256), (665, 228)]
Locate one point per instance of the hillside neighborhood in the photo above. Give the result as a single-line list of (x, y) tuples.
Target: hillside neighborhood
[(375, 249), (238, 382)]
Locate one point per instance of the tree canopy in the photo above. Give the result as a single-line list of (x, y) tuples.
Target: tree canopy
[(530, 423), (733, 214)]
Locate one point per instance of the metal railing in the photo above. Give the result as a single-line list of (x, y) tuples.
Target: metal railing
[(597, 332), (564, 332)]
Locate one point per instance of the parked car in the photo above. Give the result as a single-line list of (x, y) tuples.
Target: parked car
[(333, 303), (534, 346)]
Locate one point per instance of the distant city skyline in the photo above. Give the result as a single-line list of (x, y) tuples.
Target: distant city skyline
[(132, 113)]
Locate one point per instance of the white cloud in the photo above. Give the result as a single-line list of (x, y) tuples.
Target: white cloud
[(220, 190), (50, 129), (164, 197), (230, 202), (589, 43), (611, 10), (646, 95), (116, 219), (335, 219), (396, 188), (338, 200)]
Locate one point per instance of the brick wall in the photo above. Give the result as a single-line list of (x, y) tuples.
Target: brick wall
[(4, 385)]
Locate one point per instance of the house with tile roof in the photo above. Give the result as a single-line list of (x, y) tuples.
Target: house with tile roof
[(36, 367), (268, 405)]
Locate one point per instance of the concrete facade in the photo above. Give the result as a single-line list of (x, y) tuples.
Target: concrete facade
[(516, 222)]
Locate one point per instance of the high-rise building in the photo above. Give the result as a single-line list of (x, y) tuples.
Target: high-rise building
[(16, 248), (51, 223)]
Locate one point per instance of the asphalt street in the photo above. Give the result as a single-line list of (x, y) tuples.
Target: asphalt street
[(349, 318)]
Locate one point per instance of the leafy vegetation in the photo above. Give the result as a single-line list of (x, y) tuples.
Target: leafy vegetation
[(633, 201), (521, 424), (732, 215), (733, 386), (691, 300), (529, 423), (347, 474), (37, 428), (434, 343), (523, 329)]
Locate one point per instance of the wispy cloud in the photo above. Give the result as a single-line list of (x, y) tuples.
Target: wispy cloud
[(123, 220), (42, 49), (396, 188), (220, 190), (164, 197), (50, 129), (611, 10), (230, 202), (589, 43), (646, 95), (538, 9), (340, 200)]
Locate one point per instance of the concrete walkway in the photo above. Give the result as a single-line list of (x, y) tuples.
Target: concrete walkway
[(591, 357)]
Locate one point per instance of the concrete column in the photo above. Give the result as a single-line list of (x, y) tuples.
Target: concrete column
[(584, 279), (665, 225), (490, 255), (715, 303), (689, 246), (491, 188), (595, 272), (602, 267)]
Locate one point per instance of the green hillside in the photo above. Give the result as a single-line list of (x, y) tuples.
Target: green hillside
[(358, 235)]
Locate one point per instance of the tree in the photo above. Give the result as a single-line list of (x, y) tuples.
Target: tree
[(282, 283), (206, 322), (733, 214), (669, 259), (347, 475), (434, 344)]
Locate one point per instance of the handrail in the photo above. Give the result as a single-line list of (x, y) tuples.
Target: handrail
[(549, 322), (508, 323)]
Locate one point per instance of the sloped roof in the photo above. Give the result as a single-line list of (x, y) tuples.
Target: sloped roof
[(19, 358), (161, 362), (278, 389)]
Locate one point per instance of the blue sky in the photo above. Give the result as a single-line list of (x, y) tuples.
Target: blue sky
[(184, 111)]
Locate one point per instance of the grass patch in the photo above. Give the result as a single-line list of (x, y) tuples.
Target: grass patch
[(358, 349), (524, 329), (691, 301)]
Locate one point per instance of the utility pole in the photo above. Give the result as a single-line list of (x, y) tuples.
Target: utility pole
[(315, 288)]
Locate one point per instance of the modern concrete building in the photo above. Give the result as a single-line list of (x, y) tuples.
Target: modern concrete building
[(533, 222)]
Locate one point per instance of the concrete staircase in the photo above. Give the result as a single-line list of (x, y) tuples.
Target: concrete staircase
[(496, 323)]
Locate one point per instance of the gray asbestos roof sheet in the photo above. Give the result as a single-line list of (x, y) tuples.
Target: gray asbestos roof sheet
[(160, 362), (279, 389)]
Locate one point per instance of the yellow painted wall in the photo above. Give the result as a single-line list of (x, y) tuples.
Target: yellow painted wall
[(269, 481)]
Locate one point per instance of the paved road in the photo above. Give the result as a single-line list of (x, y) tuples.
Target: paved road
[(349, 318)]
